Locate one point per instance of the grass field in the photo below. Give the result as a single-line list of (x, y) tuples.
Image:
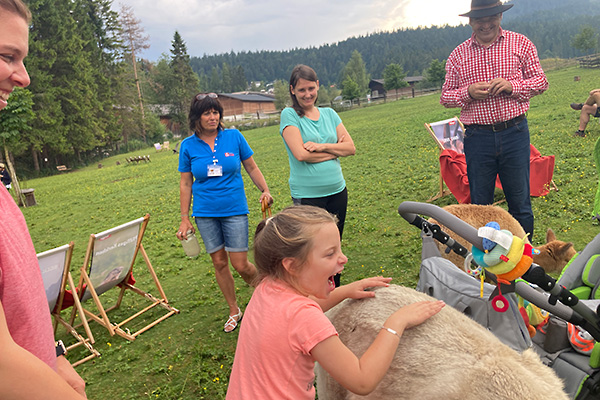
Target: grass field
[(188, 356)]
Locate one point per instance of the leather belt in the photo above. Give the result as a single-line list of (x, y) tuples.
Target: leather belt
[(500, 126)]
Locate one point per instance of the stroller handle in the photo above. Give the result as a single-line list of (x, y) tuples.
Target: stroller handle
[(571, 310), (409, 210)]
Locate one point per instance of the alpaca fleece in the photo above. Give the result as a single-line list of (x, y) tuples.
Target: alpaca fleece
[(449, 357)]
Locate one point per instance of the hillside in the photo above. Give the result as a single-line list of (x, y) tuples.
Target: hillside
[(550, 24)]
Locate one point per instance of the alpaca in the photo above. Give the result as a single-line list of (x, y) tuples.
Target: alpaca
[(450, 356), (554, 254)]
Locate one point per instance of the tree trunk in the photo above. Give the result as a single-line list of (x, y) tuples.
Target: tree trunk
[(15, 181), (139, 90), (36, 159)]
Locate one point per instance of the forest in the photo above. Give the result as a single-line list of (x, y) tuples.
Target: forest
[(550, 24), (91, 95)]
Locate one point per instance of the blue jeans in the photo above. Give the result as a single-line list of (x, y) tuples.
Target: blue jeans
[(228, 232), (506, 154)]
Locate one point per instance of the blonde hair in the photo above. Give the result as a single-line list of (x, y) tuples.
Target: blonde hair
[(288, 234), (16, 7)]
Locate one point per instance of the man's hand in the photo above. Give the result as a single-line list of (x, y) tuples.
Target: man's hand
[(499, 86), (478, 90), (68, 373)]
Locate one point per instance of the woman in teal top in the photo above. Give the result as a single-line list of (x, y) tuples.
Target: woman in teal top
[(315, 138)]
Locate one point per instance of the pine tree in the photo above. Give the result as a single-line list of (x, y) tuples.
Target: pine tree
[(63, 81), (185, 80), (393, 77), (356, 72), (436, 73)]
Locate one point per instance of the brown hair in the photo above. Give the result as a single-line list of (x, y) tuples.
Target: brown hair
[(301, 71), (16, 7), (288, 234), (199, 107)]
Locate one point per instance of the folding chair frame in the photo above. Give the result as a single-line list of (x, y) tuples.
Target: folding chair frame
[(102, 317), (68, 278), (442, 190)]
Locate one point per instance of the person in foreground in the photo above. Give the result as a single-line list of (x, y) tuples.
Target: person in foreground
[(492, 76), (588, 109), (315, 138), (297, 253), (210, 163), (29, 365)]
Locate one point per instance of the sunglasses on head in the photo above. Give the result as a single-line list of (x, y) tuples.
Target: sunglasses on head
[(202, 96)]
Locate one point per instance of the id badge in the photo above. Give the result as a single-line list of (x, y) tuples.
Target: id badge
[(215, 170)]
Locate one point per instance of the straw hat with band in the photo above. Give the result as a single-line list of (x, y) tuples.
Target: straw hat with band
[(486, 8)]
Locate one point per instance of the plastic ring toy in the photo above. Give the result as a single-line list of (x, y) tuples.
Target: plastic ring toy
[(473, 272), (499, 303)]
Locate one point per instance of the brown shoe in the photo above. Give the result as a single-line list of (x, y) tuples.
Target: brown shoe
[(576, 106)]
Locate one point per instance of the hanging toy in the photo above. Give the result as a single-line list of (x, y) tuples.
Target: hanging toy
[(499, 302), (504, 255)]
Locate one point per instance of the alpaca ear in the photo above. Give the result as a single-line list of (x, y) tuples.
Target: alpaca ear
[(564, 248), (550, 236)]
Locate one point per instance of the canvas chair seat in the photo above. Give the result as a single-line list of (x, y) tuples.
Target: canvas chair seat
[(449, 136), (454, 173), (55, 268), (68, 299)]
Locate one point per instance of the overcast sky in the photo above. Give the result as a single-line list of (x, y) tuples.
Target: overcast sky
[(219, 26)]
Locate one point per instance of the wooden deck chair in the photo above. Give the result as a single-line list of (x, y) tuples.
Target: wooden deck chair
[(448, 134), (108, 264), (54, 265), (166, 145), (157, 147)]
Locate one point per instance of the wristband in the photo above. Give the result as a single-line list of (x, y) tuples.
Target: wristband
[(390, 330), (185, 215)]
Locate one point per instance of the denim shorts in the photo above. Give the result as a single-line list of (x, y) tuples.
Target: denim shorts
[(228, 232)]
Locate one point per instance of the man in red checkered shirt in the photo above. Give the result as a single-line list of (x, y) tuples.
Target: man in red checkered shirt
[(492, 76)]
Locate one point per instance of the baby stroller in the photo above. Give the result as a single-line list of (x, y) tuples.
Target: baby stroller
[(572, 302)]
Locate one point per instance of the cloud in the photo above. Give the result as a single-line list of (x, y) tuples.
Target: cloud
[(220, 26)]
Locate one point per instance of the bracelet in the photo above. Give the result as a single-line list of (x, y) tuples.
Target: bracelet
[(390, 330), (185, 215)]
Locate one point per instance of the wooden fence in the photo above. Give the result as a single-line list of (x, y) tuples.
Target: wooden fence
[(591, 61)]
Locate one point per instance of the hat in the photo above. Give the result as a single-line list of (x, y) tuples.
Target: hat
[(1, 165), (486, 8)]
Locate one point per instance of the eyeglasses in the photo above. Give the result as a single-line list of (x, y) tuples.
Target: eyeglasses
[(202, 96)]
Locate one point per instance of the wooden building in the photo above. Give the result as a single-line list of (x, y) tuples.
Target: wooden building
[(237, 106), (377, 88)]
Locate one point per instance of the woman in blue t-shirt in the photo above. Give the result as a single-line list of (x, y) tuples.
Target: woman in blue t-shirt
[(210, 164), (315, 138)]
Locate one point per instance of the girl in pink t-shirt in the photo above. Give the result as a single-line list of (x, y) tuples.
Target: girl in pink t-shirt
[(297, 253)]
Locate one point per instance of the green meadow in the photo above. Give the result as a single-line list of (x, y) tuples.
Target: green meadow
[(188, 356)]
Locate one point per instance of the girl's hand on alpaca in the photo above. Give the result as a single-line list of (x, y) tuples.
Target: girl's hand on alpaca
[(356, 290), (414, 314)]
